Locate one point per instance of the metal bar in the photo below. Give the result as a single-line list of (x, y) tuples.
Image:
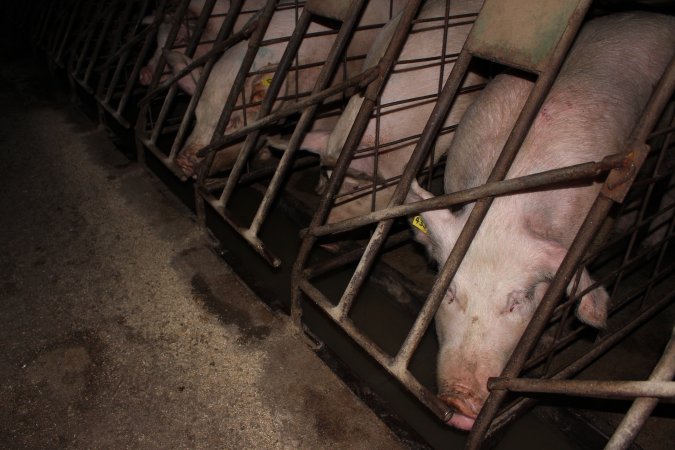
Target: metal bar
[(583, 239), (638, 413), (510, 186), (664, 390), (270, 119), (423, 394), (115, 42)]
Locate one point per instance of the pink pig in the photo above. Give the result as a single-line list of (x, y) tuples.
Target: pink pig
[(596, 100)]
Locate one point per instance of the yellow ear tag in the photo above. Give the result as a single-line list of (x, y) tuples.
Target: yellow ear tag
[(418, 223), (266, 82)]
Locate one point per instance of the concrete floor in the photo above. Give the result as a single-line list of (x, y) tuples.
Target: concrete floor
[(119, 327)]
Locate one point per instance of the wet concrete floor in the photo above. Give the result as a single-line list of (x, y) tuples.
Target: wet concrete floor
[(119, 327)]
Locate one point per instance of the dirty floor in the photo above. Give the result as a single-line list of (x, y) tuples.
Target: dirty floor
[(119, 327)]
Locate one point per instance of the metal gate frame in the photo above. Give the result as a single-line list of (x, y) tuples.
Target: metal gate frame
[(619, 180), (348, 13)]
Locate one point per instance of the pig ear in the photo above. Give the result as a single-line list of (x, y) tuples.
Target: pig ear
[(258, 86), (435, 227), (148, 20), (592, 308), (177, 61)]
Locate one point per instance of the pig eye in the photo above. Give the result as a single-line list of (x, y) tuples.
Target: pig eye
[(515, 301)]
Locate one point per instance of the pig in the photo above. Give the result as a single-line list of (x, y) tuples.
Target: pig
[(399, 121), (313, 49), (593, 104)]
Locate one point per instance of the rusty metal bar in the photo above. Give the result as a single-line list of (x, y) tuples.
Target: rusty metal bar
[(281, 72), (314, 99), (354, 137), (664, 390), (510, 186), (638, 413), (583, 239)]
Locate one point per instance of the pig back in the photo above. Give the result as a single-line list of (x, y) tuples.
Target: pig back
[(589, 113)]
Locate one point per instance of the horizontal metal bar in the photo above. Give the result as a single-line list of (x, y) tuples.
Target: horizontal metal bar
[(362, 79), (664, 390), (513, 185)]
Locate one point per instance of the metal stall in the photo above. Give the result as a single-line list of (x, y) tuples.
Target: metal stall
[(119, 86), (378, 66), (635, 263)]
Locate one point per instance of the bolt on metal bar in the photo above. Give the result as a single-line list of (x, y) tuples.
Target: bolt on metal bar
[(575, 254), (641, 409), (351, 143), (663, 390), (509, 186)]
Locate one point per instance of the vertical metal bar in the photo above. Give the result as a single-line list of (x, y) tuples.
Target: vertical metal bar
[(327, 71), (88, 36), (161, 63), (351, 143), (642, 407)]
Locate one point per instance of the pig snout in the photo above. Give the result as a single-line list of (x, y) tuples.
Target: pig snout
[(465, 402)]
